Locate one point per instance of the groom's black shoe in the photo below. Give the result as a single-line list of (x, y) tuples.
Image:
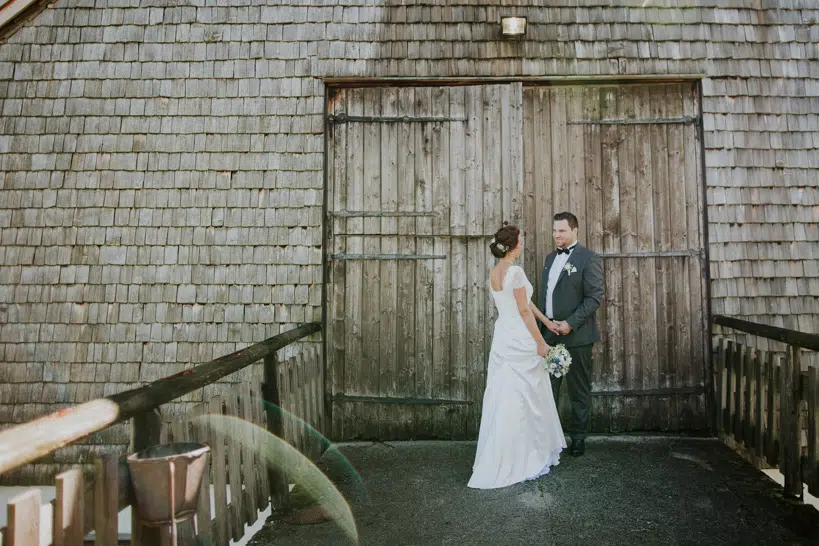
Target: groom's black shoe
[(577, 448)]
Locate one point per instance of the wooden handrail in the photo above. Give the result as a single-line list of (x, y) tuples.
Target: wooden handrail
[(28, 442), (791, 337)]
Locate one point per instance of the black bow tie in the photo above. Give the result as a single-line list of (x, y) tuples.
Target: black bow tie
[(564, 250)]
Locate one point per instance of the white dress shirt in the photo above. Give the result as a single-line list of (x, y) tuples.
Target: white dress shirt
[(554, 275)]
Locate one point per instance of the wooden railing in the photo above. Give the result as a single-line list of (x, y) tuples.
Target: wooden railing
[(763, 402), (85, 504)]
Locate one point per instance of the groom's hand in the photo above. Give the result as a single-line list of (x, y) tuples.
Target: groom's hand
[(563, 328)]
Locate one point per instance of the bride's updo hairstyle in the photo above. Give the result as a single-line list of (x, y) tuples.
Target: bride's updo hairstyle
[(505, 240)]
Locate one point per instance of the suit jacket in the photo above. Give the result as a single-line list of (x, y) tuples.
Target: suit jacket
[(576, 297)]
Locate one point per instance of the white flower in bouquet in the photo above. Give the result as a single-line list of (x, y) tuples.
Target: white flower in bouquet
[(558, 360)]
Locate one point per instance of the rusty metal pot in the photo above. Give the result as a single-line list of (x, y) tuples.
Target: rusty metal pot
[(151, 472)]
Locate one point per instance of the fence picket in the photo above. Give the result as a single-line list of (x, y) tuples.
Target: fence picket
[(68, 509)]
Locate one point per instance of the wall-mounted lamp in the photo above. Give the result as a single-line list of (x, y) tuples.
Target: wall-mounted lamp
[(513, 26)]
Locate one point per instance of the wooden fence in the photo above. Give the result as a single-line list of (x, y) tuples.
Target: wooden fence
[(242, 483), (766, 404)]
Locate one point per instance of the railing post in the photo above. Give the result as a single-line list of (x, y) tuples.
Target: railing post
[(791, 423), (146, 431), (273, 413)]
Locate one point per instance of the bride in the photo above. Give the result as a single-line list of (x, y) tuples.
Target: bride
[(520, 436)]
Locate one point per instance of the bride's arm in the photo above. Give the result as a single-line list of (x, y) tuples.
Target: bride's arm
[(538, 315), (529, 319)]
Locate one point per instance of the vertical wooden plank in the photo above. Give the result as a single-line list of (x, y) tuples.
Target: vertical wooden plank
[(747, 424), (770, 408), (424, 275), (259, 461), (200, 432), (388, 381), (631, 311), (273, 419), (513, 141), (310, 403), (301, 402), (337, 201), (759, 452), (68, 509), (217, 450), (292, 431), (739, 395), (593, 221), (23, 526), (371, 314), (530, 220), (286, 393), (560, 157), (727, 416), (719, 385), (406, 297), (458, 258), (791, 423), (765, 403), (662, 237), (234, 469), (544, 183), (318, 425), (146, 431), (646, 314), (106, 499), (782, 407), (694, 213), (355, 380), (249, 445), (615, 358), (777, 446), (681, 332), (812, 473), (505, 187), (442, 365), (576, 180), (476, 297)]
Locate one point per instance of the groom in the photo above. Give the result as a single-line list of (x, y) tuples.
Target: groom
[(572, 288)]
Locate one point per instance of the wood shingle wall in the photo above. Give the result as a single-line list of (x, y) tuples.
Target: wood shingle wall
[(161, 163)]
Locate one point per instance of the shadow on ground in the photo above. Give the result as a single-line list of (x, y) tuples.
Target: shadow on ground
[(626, 490)]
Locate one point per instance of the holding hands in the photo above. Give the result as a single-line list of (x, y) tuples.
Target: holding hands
[(558, 327), (563, 328)]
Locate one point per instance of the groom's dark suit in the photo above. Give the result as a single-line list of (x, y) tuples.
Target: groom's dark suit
[(575, 299)]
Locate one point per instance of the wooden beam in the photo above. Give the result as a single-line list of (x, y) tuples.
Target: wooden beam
[(791, 337)]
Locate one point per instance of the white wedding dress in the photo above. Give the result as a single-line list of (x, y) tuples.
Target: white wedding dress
[(520, 436)]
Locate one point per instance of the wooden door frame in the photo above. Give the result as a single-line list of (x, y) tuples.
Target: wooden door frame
[(336, 83)]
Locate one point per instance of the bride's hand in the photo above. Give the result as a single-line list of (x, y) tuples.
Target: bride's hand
[(542, 349), (552, 327)]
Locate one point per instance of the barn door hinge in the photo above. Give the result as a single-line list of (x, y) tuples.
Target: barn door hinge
[(346, 118)]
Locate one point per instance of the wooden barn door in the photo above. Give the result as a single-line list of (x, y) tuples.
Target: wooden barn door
[(419, 178), (626, 161)]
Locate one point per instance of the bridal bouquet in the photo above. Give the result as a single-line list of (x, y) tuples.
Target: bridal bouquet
[(558, 360)]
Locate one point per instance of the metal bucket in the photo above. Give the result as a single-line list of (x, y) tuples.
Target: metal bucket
[(153, 470)]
